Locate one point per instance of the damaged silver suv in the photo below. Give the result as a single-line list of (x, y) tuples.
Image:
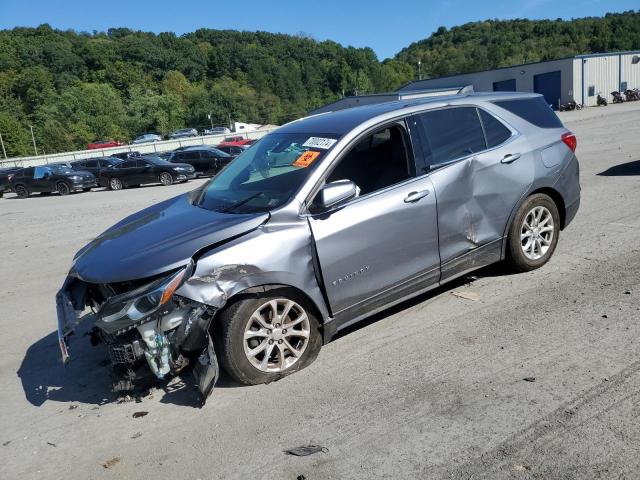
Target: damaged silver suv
[(322, 223)]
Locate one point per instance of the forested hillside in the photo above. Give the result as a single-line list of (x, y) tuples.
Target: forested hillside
[(500, 43), (75, 87), (78, 87)]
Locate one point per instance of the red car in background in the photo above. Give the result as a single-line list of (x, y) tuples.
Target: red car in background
[(104, 144), (236, 141)]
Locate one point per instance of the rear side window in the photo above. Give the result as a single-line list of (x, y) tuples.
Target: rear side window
[(127, 164), (494, 130), (534, 110), (451, 133)]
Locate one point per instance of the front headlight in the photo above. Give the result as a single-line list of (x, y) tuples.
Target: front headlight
[(75, 178), (128, 309)]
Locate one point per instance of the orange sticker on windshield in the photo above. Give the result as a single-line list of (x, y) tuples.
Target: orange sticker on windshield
[(306, 159)]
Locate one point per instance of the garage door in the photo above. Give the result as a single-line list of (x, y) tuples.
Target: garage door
[(505, 85), (548, 84)]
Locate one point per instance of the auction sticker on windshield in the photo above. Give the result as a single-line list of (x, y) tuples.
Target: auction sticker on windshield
[(306, 159), (318, 142)]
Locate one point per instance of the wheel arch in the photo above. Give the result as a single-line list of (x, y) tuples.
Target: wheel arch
[(258, 289), (552, 193)]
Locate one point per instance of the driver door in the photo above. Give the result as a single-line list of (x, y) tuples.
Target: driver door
[(382, 245)]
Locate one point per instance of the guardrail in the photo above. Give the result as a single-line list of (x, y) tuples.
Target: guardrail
[(143, 148)]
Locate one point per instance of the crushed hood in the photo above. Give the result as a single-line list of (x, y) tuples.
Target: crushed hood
[(158, 239)]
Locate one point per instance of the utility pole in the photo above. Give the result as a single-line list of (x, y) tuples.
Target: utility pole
[(34, 140), (3, 150), (419, 72)]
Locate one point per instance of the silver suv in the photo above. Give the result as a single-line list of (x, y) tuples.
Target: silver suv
[(322, 223)]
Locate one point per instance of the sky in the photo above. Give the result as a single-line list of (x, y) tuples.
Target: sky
[(385, 26)]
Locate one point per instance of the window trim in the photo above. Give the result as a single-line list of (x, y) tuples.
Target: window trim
[(435, 167), (399, 122)]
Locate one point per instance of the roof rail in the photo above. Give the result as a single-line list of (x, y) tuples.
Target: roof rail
[(466, 90)]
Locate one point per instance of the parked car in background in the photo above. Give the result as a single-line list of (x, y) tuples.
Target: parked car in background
[(147, 138), (96, 165), (142, 170), (263, 265), (205, 160), (235, 141), (216, 131), (5, 175), (183, 133), (51, 178), (125, 155), (233, 150), (104, 144)]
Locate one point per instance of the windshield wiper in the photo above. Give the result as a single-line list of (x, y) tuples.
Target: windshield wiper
[(241, 202)]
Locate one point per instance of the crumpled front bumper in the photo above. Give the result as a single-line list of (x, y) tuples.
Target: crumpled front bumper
[(70, 303)]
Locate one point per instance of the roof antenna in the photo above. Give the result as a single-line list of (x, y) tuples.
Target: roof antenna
[(466, 90)]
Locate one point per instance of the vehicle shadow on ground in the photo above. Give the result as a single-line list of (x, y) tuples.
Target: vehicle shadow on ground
[(623, 170), (88, 377)]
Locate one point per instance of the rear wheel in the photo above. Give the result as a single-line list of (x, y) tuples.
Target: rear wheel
[(262, 339), (115, 184), (166, 179), (533, 235), (63, 188), (21, 191)]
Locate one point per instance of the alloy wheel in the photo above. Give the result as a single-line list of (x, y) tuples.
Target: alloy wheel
[(63, 188), (536, 233), (276, 335), (115, 184), (166, 179), (22, 192)]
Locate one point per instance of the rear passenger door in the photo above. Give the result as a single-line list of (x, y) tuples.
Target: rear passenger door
[(480, 168)]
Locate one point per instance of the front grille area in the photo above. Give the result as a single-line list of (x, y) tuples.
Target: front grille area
[(123, 349)]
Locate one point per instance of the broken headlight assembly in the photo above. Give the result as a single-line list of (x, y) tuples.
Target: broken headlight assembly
[(121, 313)]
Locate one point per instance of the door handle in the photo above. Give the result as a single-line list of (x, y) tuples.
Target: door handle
[(510, 157), (415, 196)]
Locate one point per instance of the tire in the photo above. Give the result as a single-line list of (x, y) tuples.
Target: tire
[(21, 191), (534, 233), (166, 179), (115, 184), (242, 316), (63, 189)]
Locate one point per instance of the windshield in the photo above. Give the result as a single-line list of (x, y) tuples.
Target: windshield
[(265, 176)]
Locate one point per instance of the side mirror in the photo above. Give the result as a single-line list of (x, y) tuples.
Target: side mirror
[(335, 192)]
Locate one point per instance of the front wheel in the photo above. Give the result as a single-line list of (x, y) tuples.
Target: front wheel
[(265, 338), (115, 184), (533, 235), (21, 191), (166, 179)]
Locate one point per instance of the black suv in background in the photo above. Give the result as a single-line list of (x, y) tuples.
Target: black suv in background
[(5, 175), (142, 170), (205, 160), (47, 179), (95, 165)]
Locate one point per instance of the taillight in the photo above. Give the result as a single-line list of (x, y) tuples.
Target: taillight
[(570, 140)]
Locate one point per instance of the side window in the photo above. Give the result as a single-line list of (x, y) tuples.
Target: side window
[(127, 164), (27, 173), (141, 163), (534, 110), (39, 172), (451, 133), (494, 130), (91, 164), (192, 155), (377, 161)]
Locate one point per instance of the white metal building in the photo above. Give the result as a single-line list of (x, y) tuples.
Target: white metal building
[(578, 78)]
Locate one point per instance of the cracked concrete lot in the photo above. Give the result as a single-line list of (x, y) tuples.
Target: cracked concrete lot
[(433, 388)]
